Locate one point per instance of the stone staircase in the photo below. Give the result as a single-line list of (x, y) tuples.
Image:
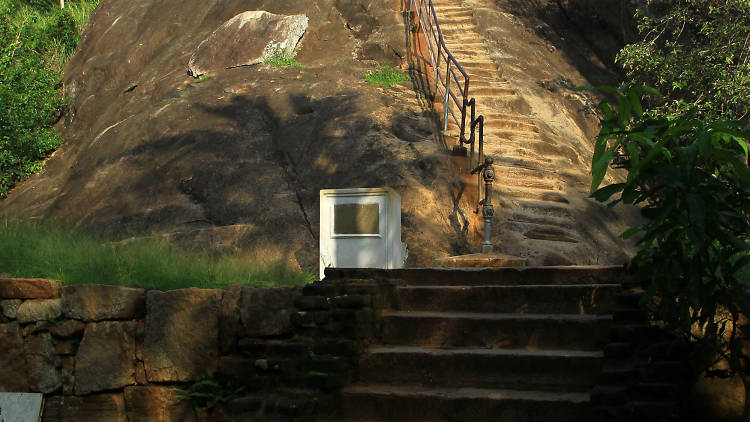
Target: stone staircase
[(530, 188), (503, 344)]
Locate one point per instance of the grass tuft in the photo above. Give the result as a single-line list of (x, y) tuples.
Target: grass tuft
[(45, 250), (281, 58), (385, 76)]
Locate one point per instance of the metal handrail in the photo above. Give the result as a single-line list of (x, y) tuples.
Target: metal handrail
[(483, 166)]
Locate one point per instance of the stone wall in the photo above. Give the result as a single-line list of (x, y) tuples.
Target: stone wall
[(110, 353)]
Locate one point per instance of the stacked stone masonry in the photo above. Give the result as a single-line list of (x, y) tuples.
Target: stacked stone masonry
[(110, 353)]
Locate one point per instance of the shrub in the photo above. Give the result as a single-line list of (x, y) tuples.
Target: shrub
[(36, 41), (691, 178), (385, 76)]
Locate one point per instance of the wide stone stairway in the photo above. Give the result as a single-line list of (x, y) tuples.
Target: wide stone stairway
[(502, 344), (533, 190)]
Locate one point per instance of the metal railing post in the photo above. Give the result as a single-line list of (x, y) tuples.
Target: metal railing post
[(446, 104), (488, 174)]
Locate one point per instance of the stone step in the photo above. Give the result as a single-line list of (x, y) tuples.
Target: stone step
[(547, 370), (501, 276), (505, 190), (544, 208), (551, 233), (454, 21), (402, 403), (445, 15), (581, 299), (493, 330), (524, 217)]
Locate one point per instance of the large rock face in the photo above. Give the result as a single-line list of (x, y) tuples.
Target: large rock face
[(236, 162), (247, 39)]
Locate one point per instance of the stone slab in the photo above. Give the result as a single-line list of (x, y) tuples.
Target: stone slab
[(42, 363), (96, 302), (181, 342), (29, 288), (38, 310), (92, 408), (481, 260), (12, 361), (157, 404), (106, 357), (266, 311), (20, 407)]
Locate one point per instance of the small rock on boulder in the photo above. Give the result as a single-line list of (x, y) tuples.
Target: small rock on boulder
[(246, 39)]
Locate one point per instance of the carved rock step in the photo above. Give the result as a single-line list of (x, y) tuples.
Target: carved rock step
[(587, 299), (548, 370), (373, 402), (492, 330), (534, 207), (522, 217), (448, 15), (503, 189)]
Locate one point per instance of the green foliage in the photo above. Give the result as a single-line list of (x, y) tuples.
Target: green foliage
[(34, 249), (696, 52), (385, 76), (691, 178), (36, 41), (282, 58)]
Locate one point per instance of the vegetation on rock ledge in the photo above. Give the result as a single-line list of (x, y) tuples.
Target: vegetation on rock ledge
[(46, 250), (36, 41)]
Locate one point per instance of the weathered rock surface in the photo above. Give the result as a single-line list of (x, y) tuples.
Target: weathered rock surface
[(235, 163), (267, 311), (42, 363), (106, 357), (96, 302), (247, 39), (157, 404), (29, 288), (93, 408), (66, 328), (182, 335), (38, 310), (12, 360)]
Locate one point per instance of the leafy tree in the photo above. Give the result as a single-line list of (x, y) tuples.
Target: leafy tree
[(690, 176), (697, 52)]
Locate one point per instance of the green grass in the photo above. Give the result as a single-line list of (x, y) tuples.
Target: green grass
[(385, 76), (203, 78), (282, 58), (45, 250)]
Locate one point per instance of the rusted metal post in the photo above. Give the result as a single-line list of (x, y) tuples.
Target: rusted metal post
[(488, 174)]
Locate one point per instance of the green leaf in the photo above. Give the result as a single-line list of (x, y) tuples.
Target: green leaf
[(635, 103), (627, 234), (606, 192), (649, 90), (599, 169)]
